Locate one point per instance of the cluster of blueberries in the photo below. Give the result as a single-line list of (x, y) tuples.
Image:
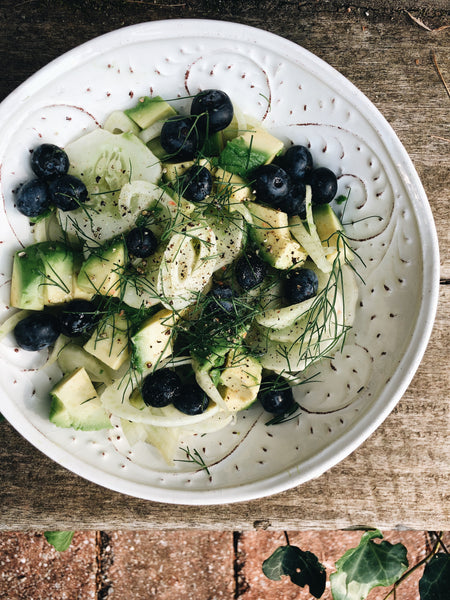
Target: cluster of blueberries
[(282, 185), (164, 387), (53, 186), (183, 136), (41, 329)]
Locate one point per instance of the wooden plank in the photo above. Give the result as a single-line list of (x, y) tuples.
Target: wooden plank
[(399, 477)]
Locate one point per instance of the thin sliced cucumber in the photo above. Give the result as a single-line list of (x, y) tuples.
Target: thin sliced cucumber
[(106, 163)]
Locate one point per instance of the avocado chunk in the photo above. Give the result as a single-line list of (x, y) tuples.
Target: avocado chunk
[(75, 403), (109, 342), (102, 272), (172, 171), (78, 293), (248, 151), (153, 341), (240, 379), (232, 188), (27, 289), (270, 231), (58, 272), (149, 110)]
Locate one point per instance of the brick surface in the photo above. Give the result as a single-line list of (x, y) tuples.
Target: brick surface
[(31, 569), (255, 547), (169, 565)]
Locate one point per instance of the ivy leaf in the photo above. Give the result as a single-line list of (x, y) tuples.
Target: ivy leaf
[(60, 540), (2, 418), (435, 581), (302, 567), (367, 566)]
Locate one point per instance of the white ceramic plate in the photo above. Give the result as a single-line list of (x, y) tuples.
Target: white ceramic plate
[(301, 99)]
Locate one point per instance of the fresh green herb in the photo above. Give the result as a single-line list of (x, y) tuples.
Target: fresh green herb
[(289, 415), (193, 457), (269, 104), (60, 540)]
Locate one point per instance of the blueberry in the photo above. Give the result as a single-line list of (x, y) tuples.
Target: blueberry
[(193, 400), (250, 270), (37, 331), (141, 242), (275, 398), (294, 202), (323, 184), (33, 198), (161, 388), (67, 192), (220, 300), (181, 137), (297, 162), (77, 317), (214, 108), (271, 184), (195, 184), (300, 285), (49, 161)]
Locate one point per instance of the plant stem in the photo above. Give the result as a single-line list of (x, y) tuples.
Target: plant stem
[(287, 538), (438, 535), (416, 566)]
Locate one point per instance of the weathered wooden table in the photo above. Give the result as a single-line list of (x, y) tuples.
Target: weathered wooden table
[(399, 478)]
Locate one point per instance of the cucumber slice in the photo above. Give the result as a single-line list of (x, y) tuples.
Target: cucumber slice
[(107, 163)]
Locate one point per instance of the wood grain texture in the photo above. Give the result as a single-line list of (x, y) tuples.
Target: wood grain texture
[(399, 478)]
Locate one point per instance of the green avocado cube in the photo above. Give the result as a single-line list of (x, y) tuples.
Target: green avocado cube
[(150, 110), (75, 403), (250, 150), (270, 231), (101, 273), (153, 341), (109, 342), (27, 289), (59, 272)]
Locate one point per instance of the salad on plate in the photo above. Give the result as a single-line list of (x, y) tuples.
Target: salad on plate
[(185, 266)]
